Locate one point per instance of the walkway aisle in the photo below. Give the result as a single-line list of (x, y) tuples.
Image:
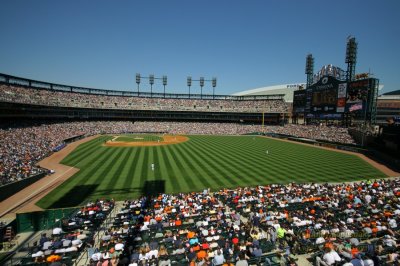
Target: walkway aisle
[(302, 259), (84, 258)]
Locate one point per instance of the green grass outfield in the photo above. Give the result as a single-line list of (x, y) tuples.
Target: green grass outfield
[(202, 162)]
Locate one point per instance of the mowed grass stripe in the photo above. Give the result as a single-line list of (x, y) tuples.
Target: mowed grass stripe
[(206, 178), (182, 167), (313, 160), (234, 160), (78, 157), (144, 173), (156, 160), (78, 179), (103, 175), (172, 172), (83, 176), (133, 157), (162, 171), (93, 161), (121, 165), (79, 153), (240, 161), (230, 173), (169, 172), (223, 172), (207, 166), (92, 177), (229, 168), (137, 175)]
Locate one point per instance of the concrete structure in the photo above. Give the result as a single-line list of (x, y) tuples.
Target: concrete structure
[(286, 89), (388, 107)]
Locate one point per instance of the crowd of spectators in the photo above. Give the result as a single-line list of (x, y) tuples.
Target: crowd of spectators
[(194, 128), (317, 132), (64, 243), (18, 94), (340, 224), (23, 145)]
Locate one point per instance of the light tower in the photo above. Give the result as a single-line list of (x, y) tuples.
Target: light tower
[(151, 80), (351, 58), (189, 83), (201, 86), (214, 84), (137, 82), (309, 69), (164, 82)]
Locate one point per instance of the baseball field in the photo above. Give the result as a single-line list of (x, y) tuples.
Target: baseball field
[(198, 162)]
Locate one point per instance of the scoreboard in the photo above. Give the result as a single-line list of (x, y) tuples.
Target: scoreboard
[(299, 101), (330, 97), (325, 96)]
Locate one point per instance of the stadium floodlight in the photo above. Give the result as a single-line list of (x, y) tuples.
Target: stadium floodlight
[(151, 80), (164, 82), (351, 57), (309, 69), (309, 64), (189, 83), (138, 82), (214, 84), (201, 86)]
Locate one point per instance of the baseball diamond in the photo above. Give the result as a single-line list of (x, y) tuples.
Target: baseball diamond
[(201, 162)]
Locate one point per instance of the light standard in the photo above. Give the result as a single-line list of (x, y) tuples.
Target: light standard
[(151, 79), (214, 84), (137, 82), (201, 86), (189, 83), (164, 81)]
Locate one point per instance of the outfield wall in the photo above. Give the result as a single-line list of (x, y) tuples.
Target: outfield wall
[(10, 189)]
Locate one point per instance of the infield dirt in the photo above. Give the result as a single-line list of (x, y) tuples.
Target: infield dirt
[(167, 140)]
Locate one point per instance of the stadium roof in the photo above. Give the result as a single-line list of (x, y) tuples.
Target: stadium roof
[(392, 95), (286, 89), (397, 92)]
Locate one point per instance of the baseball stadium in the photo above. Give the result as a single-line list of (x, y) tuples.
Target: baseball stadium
[(113, 168), (302, 174)]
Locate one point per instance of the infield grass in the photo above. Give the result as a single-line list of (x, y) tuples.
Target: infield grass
[(202, 162), (137, 138)]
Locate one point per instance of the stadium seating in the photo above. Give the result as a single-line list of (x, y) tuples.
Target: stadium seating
[(19, 94), (235, 222)]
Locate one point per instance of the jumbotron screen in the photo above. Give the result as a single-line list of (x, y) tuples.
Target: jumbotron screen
[(330, 96), (324, 95), (299, 101)]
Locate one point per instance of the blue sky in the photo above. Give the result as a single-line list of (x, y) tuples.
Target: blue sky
[(245, 44)]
